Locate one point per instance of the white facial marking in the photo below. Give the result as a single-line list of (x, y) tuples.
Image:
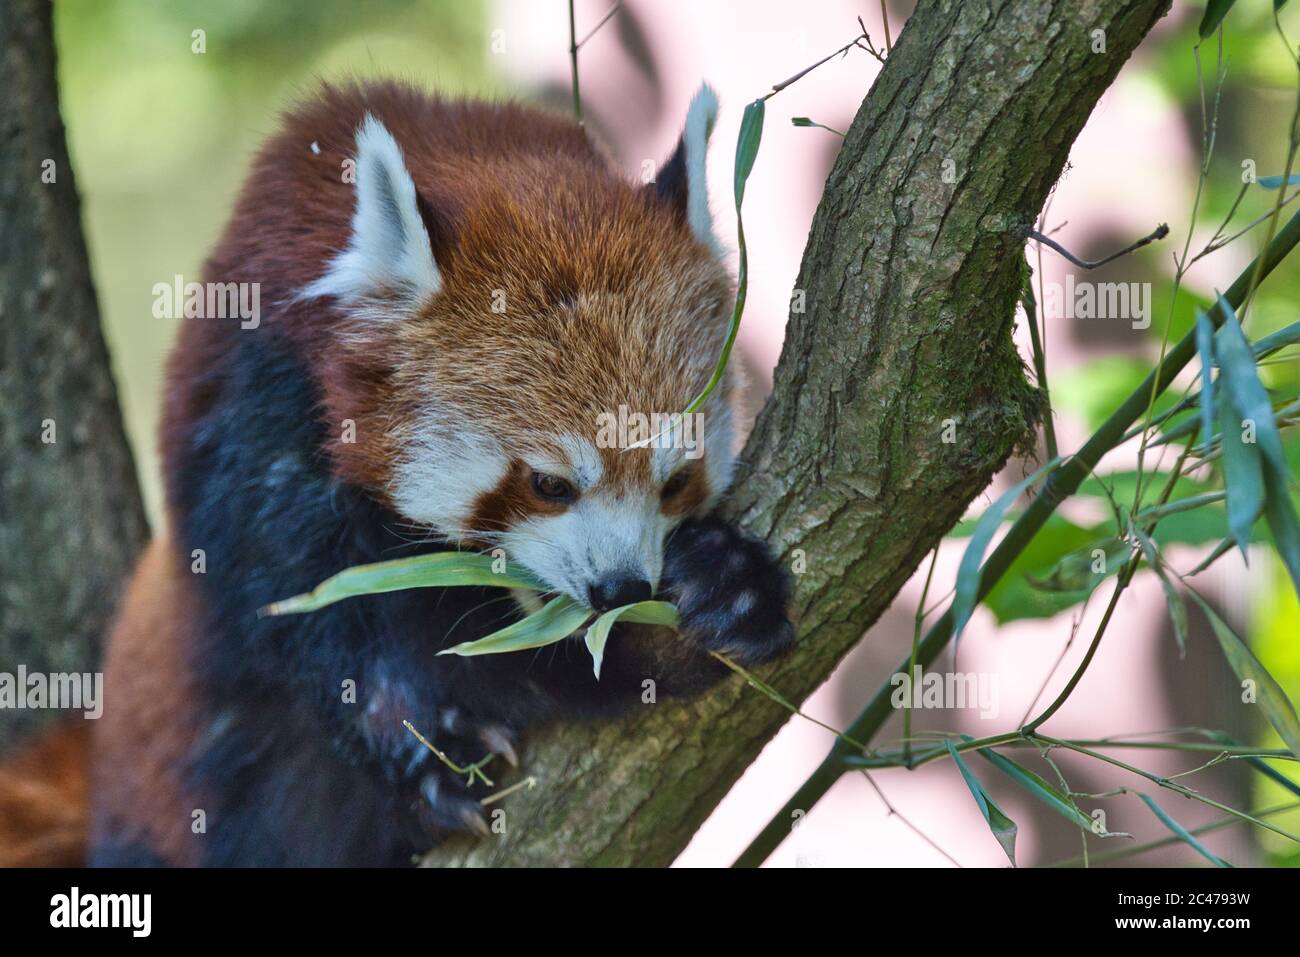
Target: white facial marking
[(599, 537), (444, 472), (604, 534), (582, 461)]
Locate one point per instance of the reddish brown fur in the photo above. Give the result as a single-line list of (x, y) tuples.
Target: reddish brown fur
[(148, 727), (44, 797), (609, 298), (512, 500), (692, 494)]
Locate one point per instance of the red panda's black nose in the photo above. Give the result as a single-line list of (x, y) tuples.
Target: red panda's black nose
[(617, 592)]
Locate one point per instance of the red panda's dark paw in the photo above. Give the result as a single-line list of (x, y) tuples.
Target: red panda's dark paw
[(729, 590), (446, 804), (488, 738), (451, 799), (385, 736)]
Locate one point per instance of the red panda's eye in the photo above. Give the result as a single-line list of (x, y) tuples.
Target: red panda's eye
[(674, 485), (553, 487)]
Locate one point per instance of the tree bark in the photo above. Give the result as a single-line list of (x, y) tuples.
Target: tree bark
[(912, 272), (71, 517)]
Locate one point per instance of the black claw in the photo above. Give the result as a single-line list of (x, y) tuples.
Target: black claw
[(497, 740), (443, 809), (475, 820)]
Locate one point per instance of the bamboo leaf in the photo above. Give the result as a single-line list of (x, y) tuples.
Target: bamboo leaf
[(1003, 828), (1039, 788), (1260, 348), (558, 618), (751, 134), (1215, 554), (1243, 389), (1182, 833), (1251, 401), (1215, 11), (1075, 573), (747, 142), (1277, 707), (435, 570), (1243, 477), (1156, 512), (662, 613), (1283, 412), (1282, 520), (806, 121), (968, 572), (1267, 345), (1173, 599), (642, 612), (1205, 348)]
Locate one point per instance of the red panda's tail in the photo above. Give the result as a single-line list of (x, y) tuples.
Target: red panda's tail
[(44, 800)]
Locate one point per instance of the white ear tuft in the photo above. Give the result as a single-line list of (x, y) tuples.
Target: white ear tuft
[(700, 117), (389, 248)]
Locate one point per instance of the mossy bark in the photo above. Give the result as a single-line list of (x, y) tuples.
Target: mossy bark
[(71, 517), (911, 276)]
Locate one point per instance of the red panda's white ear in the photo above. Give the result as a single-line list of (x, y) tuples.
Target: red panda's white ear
[(389, 250), (683, 180)]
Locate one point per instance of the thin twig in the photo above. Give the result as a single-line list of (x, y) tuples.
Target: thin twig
[(1074, 633), (807, 122), (1079, 672), (1046, 754), (603, 20), (916, 640), (573, 65), (855, 42), (529, 782), (1160, 232), (759, 685), (1106, 857), (474, 770), (1040, 365), (894, 812), (1166, 783)]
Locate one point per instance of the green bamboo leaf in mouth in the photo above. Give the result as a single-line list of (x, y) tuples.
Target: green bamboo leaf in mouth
[(556, 620)]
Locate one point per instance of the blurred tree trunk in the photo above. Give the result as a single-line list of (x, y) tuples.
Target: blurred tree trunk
[(911, 273), (71, 517)]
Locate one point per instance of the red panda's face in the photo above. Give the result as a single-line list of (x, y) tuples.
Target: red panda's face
[(590, 522), (525, 382), (547, 430)]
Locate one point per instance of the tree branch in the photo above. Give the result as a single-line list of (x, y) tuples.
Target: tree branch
[(911, 274)]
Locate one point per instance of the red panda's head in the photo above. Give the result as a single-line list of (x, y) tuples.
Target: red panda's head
[(517, 327)]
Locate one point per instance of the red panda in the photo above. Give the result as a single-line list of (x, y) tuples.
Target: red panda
[(440, 340)]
